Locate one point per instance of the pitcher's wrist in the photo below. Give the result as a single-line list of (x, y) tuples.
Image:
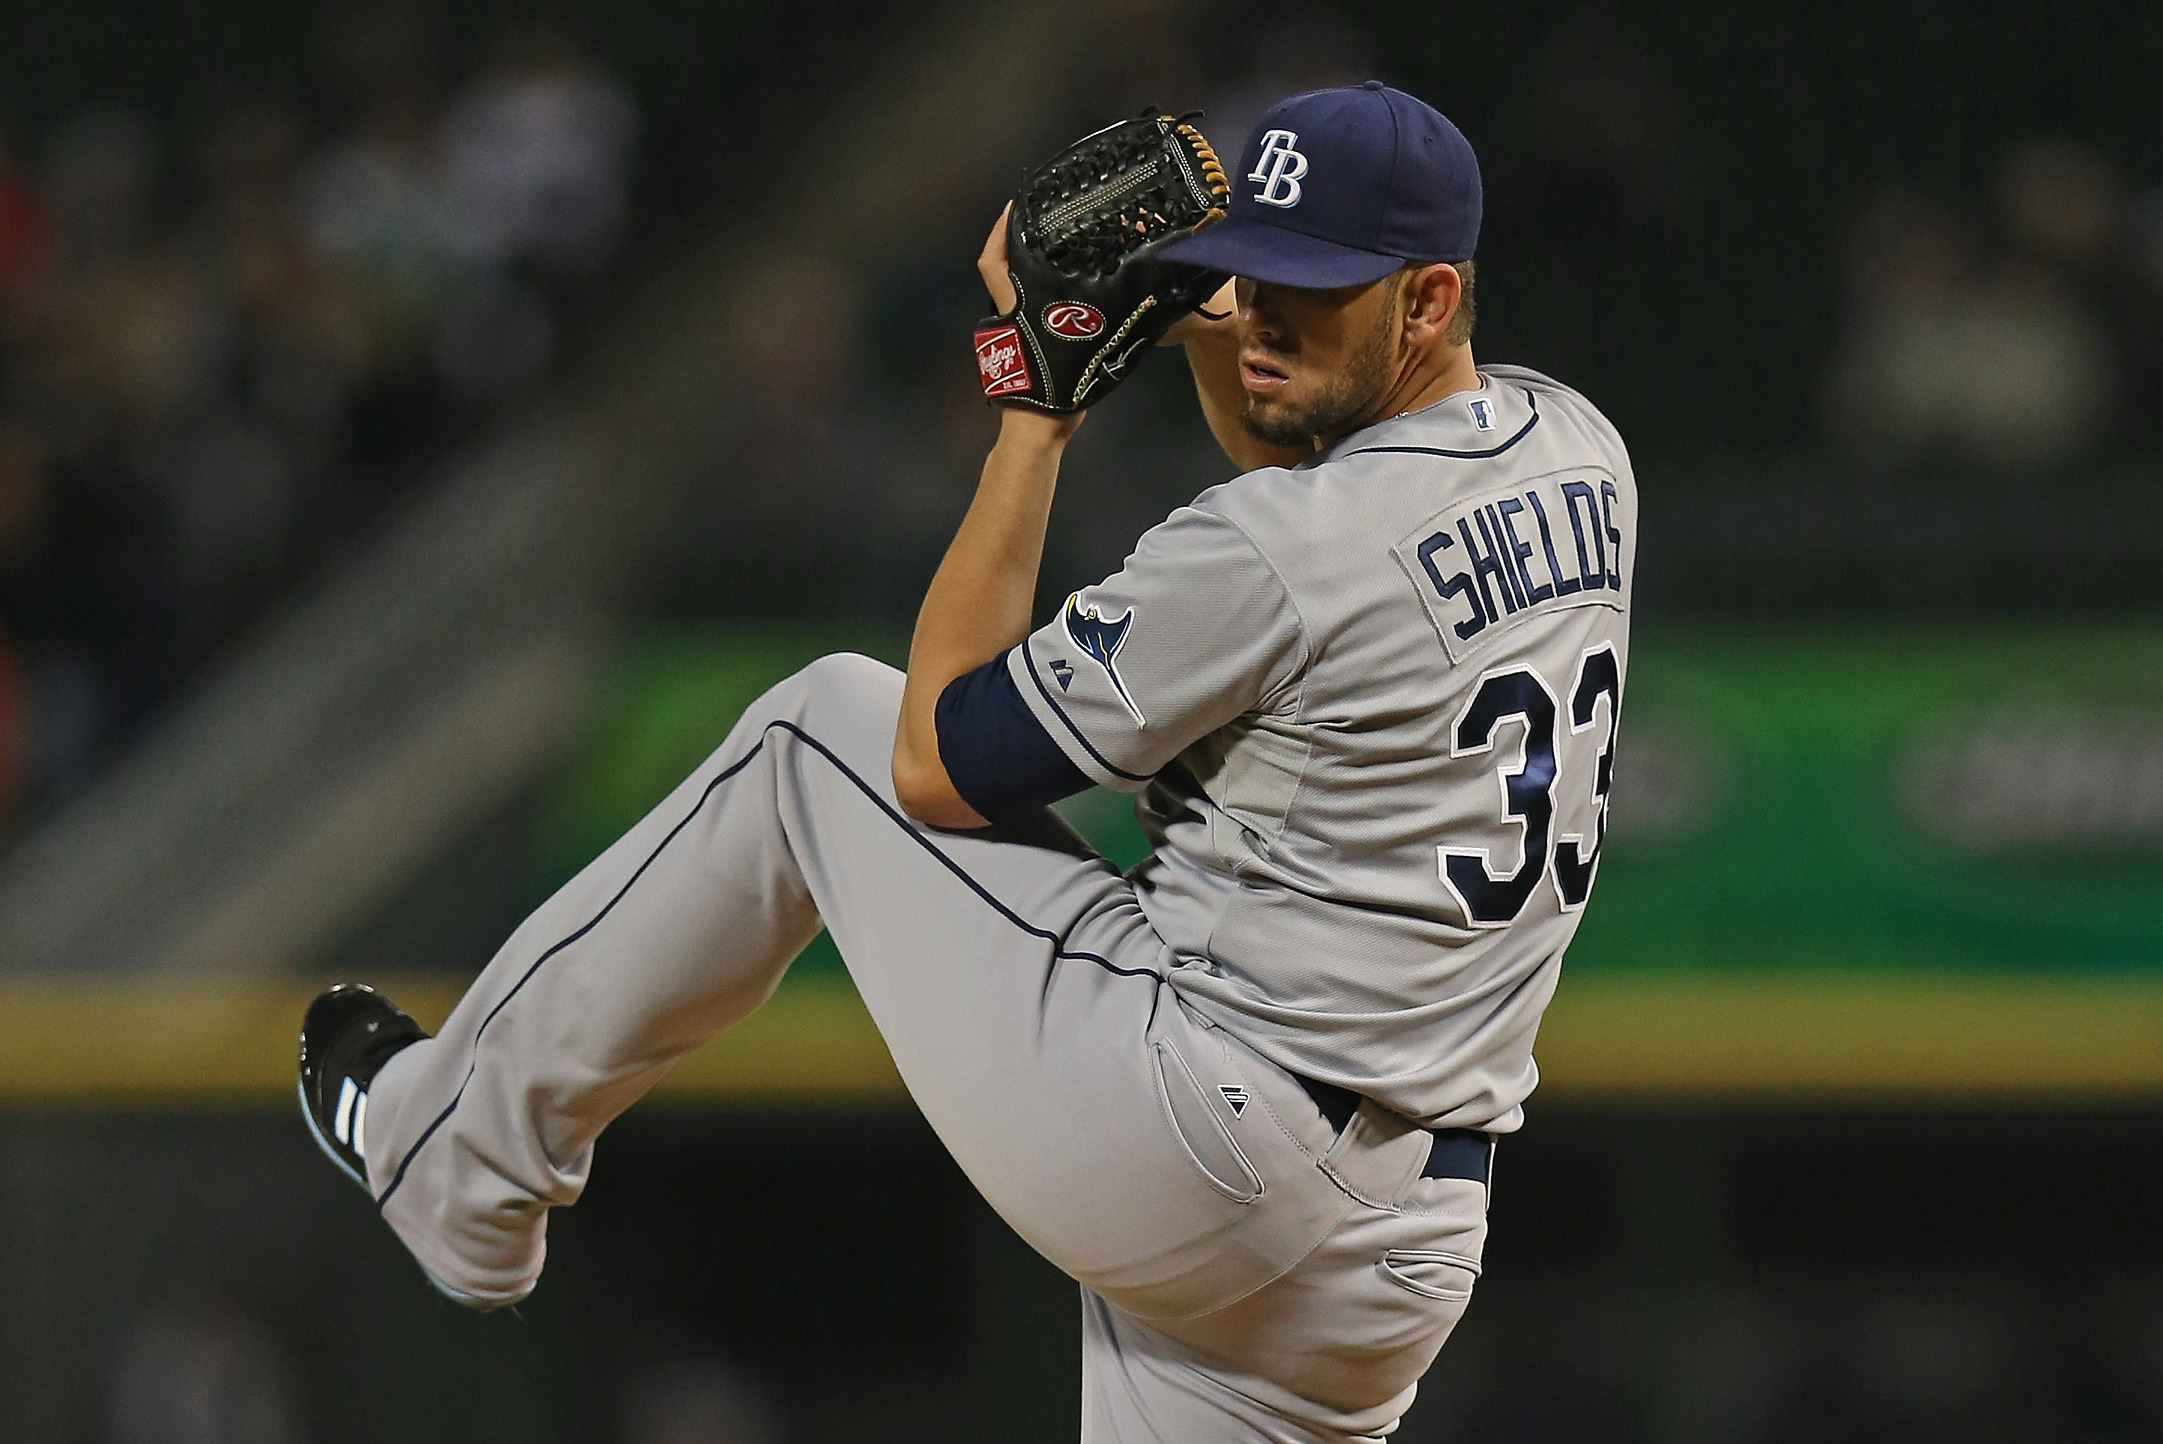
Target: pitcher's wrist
[(1023, 427)]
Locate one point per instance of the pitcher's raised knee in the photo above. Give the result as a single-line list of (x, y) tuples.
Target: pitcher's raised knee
[(839, 688)]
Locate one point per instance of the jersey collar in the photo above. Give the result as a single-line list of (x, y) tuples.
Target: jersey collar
[(1451, 427)]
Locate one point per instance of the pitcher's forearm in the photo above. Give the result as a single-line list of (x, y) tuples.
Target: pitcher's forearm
[(980, 600)]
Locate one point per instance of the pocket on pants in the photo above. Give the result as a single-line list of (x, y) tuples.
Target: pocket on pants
[(1192, 1115), (1432, 1273)]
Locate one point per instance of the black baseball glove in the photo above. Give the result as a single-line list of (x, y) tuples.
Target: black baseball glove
[(1082, 241)]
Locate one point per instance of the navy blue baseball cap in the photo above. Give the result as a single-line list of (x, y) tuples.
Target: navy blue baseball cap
[(1340, 187)]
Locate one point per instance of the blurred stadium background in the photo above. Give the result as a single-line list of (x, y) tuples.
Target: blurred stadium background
[(423, 426)]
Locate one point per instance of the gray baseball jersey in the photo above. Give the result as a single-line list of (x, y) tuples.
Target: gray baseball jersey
[(1373, 701), (1370, 703)]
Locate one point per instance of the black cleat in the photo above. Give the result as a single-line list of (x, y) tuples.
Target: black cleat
[(350, 1032)]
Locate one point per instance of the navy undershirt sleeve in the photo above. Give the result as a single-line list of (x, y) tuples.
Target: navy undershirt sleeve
[(998, 756)]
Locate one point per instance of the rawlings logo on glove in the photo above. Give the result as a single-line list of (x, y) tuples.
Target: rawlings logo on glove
[(999, 361), (1073, 320), (1083, 236)]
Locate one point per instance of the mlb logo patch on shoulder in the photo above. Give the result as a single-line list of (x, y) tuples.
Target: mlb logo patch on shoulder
[(1483, 412)]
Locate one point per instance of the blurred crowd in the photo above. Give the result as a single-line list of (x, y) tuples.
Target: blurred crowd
[(1913, 1360), (198, 1368), (2017, 335), (890, 335), (226, 344), (228, 341)]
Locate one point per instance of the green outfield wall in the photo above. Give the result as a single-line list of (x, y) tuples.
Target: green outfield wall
[(1868, 866), (1845, 863), (1840, 804)]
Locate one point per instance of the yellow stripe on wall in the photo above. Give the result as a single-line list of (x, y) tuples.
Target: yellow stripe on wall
[(1942, 1037), (166, 1044)]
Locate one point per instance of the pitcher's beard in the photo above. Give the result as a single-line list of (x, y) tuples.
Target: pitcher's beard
[(1347, 397)]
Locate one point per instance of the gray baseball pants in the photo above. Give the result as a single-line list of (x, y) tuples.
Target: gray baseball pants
[(1247, 1272)]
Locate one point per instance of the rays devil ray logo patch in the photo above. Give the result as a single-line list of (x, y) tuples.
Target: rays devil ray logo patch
[(1100, 638)]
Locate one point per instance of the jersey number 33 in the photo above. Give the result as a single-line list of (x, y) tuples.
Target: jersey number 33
[(1528, 781)]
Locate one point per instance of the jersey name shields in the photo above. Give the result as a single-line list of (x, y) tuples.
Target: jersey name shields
[(1370, 705)]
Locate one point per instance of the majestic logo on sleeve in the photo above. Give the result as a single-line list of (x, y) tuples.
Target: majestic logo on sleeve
[(1100, 639), (1279, 168)]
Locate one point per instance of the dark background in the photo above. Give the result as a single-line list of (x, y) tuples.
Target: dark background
[(1866, 1274), (1703, 216)]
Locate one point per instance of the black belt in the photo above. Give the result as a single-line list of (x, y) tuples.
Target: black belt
[(1457, 1152)]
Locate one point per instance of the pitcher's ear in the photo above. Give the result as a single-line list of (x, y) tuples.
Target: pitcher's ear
[(1434, 295)]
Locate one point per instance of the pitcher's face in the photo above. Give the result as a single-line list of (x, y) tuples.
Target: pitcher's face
[(1314, 362)]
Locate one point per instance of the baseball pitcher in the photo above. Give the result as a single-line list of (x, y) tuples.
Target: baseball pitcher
[(1249, 1094)]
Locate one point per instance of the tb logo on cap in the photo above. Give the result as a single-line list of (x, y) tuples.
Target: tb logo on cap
[(1278, 168)]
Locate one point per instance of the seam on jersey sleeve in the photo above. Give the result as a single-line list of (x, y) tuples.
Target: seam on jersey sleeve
[(1277, 687), (1296, 683), (1303, 658), (1059, 727)]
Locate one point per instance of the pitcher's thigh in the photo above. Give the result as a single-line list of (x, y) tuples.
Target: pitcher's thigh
[(1139, 1386), (1330, 1353), (1344, 1337), (1025, 1048)]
